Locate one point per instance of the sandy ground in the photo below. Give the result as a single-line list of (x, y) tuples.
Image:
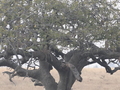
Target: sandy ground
[(93, 79)]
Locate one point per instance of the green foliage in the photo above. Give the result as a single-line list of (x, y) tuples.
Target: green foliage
[(56, 22)]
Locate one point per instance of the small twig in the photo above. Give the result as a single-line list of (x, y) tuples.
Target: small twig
[(28, 67), (35, 63), (14, 51), (11, 75)]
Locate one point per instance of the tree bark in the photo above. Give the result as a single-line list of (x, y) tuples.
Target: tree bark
[(46, 78)]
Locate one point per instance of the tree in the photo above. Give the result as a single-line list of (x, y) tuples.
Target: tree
[(46, 25)]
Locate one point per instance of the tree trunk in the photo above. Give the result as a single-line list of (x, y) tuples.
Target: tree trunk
[(67, 78), (46, 78), (66, 81), (62, 84)]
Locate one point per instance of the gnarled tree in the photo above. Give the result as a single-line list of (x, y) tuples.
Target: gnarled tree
[(50, 26)]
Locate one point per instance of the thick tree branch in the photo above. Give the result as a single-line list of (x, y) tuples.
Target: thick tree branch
[(74, 71), (102, 63), (42, 74)]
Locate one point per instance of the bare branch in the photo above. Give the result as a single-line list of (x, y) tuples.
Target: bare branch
[(115, 69), (11, 75)]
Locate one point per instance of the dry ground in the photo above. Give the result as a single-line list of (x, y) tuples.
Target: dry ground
[(93, 79)]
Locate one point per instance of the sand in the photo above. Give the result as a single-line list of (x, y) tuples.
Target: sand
[(93, 79)]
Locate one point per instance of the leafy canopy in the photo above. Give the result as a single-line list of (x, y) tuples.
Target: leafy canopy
[(75, 23)]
